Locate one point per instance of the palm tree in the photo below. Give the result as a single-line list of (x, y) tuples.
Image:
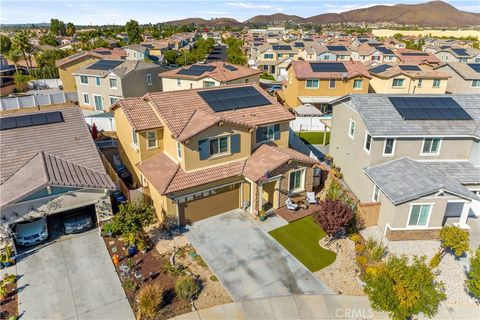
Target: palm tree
[(20, 41), (14, 55)]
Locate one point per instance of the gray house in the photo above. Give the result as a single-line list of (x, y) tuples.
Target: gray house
[(465, 77), (418, 157)]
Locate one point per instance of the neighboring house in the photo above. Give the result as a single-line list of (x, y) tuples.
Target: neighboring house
[(50, 165), (416, 57), (404, 78), (202, 152), (274, 59), (103, 82), (418, 157), (455, 54), (366, 52), (394, 43), (319, 83), (317, 52), (212, 74), (465, 77), (136, 52)]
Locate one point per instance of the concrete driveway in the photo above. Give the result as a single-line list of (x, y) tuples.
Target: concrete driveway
[(71, 278), (249, 262)]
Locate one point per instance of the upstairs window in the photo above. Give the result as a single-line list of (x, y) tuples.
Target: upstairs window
[(436, 83), (357, 84), (332, 83), (311, 84), (268, 56), (151, 139), (351, 129), (398, 83), (83, 79), (420, 82), (376, 191), (98, 81), (149, 79), (389, 147), (208, 84), (113, 83), (179, 150), (268, 133), (431, 146), (218, 145), (134, 138), (475, 83), (368, 142)]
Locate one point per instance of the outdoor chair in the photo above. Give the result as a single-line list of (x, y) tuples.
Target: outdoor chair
[(311, 198), (291, 205)]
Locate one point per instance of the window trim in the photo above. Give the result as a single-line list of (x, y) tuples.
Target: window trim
[(408, 226), (147, 76), (95, 104), (314, 87), (365, 142), (98, 81), (352, 136), (134, 139), (302, 187), (398, 87), (220, 154), (393, 147), (330, 83), (376, 193), (434, 81), (269, 54), (361, 84), (110, 83), (268, 126), (430, 154), (477, 81), (83, 77), (148, 139), (179, 151), (88, 98)]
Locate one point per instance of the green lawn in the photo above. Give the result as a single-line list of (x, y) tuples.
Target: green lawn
[(301, 239), (313, 137)]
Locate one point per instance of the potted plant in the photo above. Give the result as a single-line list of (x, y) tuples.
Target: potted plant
[(261, 215), (7, 259), (9, 278), (142, 246), (132, 248), (328, 159)]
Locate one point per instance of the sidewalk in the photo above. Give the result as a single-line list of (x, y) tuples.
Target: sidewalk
[(315, 307)]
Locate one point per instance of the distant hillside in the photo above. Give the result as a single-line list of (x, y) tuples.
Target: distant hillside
[(276, 18), (216, 22)]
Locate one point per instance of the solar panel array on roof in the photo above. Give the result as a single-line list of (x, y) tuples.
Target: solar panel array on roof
[(105, 64), (307, 39), (420, 54), (281, 47), (445, 47), (410, 68), (233, 98), (230, 67), (429, 108), (460, 52), (362, 40), (328, 67), (299, 45), (337, 48), (384, 50), (196, 70), (30, 120), (474, 66), (380, 68)]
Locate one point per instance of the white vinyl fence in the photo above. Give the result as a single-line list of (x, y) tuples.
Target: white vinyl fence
[(307, 124), (103, 123), (51, 83), (37, 100)]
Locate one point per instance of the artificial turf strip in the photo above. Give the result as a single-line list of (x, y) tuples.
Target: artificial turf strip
[(313, 137), (301, 239)]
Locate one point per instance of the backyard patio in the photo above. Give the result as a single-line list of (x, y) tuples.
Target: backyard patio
[(294, 215)]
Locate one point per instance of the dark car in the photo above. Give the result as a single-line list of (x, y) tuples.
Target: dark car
[(77, 223)]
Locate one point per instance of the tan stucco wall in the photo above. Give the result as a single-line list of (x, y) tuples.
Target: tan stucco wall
[(410, 85), (128, 155), (65, 73)]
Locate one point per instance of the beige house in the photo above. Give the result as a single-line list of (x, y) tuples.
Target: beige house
[(274, 59), (208, 75), (201, 152), (417, 157), (465, 77), (102, 83)]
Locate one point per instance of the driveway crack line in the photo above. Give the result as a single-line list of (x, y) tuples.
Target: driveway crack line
[(69, 280)]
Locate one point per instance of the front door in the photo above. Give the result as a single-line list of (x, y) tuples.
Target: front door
[(98, 103)]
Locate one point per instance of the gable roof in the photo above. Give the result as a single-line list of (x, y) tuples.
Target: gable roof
[(395, 70), (221, 72), (123, 69), (303, 70), (463, 69)]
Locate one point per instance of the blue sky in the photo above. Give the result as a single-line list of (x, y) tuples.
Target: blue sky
[(120, 11)]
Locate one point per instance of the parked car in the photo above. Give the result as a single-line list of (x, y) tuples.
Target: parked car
[(31, 232), (274, 88), (77, 223)]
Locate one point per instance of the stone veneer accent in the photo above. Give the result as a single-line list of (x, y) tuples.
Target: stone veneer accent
[(430, 234)]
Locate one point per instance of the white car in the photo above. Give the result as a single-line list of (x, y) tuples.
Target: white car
[(31, 232)]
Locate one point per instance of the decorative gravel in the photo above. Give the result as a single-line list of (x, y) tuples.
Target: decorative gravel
[(451, 271)]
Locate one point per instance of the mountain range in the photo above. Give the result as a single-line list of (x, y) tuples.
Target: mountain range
[(429, 14)]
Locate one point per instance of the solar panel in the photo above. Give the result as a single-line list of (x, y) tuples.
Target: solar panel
[(230, 67), (233, 98), (105, 64), (299, 45), (410, 68), (380, 68), (460, 52), (328, 67), (308, 39), (474, 66), (445, 47), (420, 54), (281, 47), (30, 120), (337, 48), (196, 70), (205, 68), (429, 108), (384, 50)]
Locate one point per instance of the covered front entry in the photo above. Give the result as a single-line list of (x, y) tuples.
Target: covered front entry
[(269, 195), (209, 203)]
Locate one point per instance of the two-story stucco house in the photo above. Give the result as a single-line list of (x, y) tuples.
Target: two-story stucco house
[(417, 156), (202, 152), (274, 59), (102, 83), (465, 77), (208, 75), (320, 82), (137, 52)]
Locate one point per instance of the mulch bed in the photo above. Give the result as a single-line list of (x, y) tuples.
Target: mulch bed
[(9, 305), (151, 267)]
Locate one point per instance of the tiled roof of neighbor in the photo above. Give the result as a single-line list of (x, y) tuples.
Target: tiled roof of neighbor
[(123, 69), (408, 58), (220, 73), (99, 53), (303, 70), (463, 69), (364, 49), (383, 119), (136, 47), (178, 111), (396, 70), (140, 114), (462, 171), (404, 179)]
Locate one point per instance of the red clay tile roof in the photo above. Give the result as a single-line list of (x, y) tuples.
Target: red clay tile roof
[(409, 59), (99, 53), (220, 73), (139, 114), (303, 70), (159, 170)]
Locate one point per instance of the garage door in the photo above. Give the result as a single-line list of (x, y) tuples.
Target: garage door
[(209, 204)]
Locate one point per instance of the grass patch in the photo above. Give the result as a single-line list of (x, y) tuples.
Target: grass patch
[(301, 238), (267, 76), (313, 137)]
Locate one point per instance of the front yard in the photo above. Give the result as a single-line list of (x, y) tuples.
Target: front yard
[(301, 238), (313, 137)]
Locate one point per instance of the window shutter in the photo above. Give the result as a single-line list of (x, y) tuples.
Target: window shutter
[(276, 131), (235, 143), (203, 149), (260, 134)]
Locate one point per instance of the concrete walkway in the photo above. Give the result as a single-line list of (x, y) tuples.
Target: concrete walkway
[(315, 307)]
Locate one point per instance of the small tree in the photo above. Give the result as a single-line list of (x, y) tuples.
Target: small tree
[(187, 288), (333, 216), (132, 218), (404, 290), (454, 239), (473, 281)]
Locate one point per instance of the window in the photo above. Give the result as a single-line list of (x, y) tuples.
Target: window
[(420, 81), (477, 60), (280, 55), (357, 84), (375, 193), (113, 83), (98, 81), (134, 138), (445, 58), (311, 84), (113, 100), (218, 145), (326, 58), (475, 83), (268, 133), (179, 150), (179, 82), (86, 98), (398, 83), (431, 146), (149, 79), (268, 55), (332, 84), (419, 215), (436, 83), (98, 100), (389, 147), (351, 129), (296, 180), (83, 79), (368, 142), (376, 58), (151, 139), (208, 84)]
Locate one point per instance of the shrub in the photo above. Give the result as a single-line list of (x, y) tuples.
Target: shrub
[(372, 270), (362, 261), (149, 300), (129, 285), (371, 242), (131, 219), (213, 277), (187, 288), (359, 248), (473, 277), (356, 238), (169, 269), (435, 260), (378, 251), (454, 239), (333, 216)]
